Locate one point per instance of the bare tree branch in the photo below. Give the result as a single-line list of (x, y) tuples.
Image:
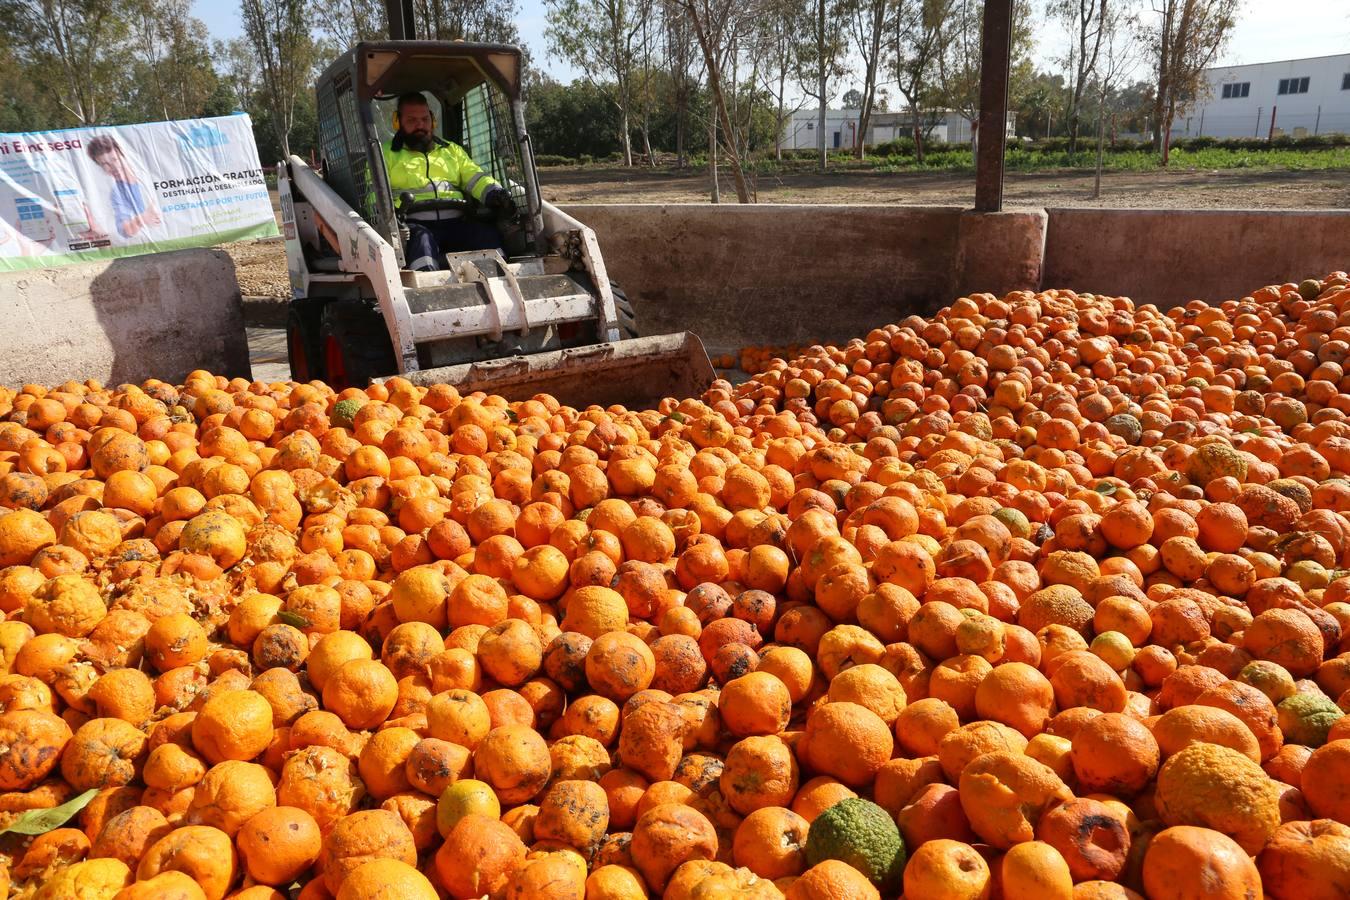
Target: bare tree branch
[(601, 37), (1184, 37), (715, 24), (279, 33)]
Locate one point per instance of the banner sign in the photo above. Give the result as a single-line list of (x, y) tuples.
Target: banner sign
[(84, 194)]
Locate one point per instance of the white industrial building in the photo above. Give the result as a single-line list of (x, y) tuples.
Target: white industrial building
[(1296, 97), (841, 128)]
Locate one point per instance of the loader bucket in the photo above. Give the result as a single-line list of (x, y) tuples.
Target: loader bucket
[(636, 373)]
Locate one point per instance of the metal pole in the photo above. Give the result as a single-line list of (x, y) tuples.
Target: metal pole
[(402, 20), (1271, 135), (1257, 132), (1317, 124), (1202, 122), (995, 60)]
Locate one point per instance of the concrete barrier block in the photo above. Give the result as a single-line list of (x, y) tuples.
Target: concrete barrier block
[(999, 252), (1170, 256), (782, 274), (124, 320), (775, 273)]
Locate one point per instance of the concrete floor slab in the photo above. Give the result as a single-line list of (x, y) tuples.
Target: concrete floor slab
[(267, 354)]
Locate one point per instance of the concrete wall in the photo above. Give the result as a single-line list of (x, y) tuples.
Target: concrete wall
[(782, 274), (1170, 256), (123, 320)]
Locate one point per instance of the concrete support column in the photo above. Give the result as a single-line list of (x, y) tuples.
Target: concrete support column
[(999, 252)]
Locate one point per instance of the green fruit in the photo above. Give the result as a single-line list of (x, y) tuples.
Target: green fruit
[(1271, 679), (1014, 520), (1306, 718), (462, 798), (344, 413), (863, 835), (1309, 288), (1308, 574), (1114, 649)]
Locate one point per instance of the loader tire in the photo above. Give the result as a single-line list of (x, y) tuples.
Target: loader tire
[(355, 345), (303, 321), (628, 327)]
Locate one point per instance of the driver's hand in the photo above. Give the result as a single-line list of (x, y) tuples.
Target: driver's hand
[(499, 198)]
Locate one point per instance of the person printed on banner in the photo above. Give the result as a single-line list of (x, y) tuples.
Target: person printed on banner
[(78, 218), (15, 243), (132, 200)]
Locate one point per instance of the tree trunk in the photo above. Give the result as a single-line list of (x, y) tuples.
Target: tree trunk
[(283, 133), (821, 146), (1101, 140), (778, 146), (822, 77), (681, 125), (1159, 105), (734, 109), (625, 137), (750, 111), (1166, 127), (712, 159), (154, 61), (737, 173), (721, 118), (781, 119), (1164, 79), (864, 119), (82, 103), (918, 131), (870, 82)]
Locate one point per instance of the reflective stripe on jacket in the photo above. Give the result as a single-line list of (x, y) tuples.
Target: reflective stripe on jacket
[(446, 172)]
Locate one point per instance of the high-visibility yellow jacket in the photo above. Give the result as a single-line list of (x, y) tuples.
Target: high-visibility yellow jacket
[(446, 172)]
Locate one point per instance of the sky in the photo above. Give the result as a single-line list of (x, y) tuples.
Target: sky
[(1268, 30)]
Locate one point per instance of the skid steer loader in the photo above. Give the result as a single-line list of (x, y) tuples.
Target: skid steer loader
[(540, 316)]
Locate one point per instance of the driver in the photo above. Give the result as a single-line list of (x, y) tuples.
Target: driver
[(430, 168)]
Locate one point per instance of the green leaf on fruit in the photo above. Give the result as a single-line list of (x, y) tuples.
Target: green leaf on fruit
[(41, 821), (295, 620)]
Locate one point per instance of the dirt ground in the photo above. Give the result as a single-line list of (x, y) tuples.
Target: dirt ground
[(262, 264), (1216, 189)]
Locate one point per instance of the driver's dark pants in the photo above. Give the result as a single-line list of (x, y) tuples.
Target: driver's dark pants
[(428, 242)]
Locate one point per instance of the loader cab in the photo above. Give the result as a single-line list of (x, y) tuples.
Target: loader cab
[(542, 315), (475, 93)]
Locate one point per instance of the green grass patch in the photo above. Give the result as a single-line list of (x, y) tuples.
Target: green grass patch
[(948, 158), (1023, 160)]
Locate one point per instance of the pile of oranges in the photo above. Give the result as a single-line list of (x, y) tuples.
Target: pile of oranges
[(1056, 582), (756, 359)]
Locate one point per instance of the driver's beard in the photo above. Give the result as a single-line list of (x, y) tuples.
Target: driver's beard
[(419, 142)]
